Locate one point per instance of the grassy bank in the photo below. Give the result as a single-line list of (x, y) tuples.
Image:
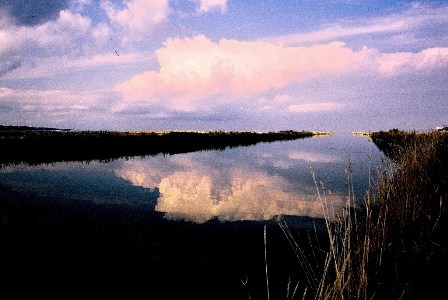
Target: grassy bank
[(395, 245), (410, 213), (40, 146)]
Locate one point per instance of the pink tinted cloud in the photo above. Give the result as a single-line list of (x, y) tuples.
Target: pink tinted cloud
[(194, 68)]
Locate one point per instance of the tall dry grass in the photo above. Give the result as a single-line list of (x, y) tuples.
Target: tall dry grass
[(394, 245)]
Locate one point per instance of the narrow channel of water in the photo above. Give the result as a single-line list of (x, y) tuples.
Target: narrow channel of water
[(184, 225)]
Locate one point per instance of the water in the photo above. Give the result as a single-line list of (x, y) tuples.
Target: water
[(186, 225)]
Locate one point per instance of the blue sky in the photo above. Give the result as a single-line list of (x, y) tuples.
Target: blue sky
[(342, 66)]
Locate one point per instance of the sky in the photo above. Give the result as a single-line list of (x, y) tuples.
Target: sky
[(324, 65)]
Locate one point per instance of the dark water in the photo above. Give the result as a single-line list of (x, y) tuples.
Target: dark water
[(187, 226)]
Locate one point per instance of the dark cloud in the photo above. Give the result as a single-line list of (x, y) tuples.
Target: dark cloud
[(33, 12)]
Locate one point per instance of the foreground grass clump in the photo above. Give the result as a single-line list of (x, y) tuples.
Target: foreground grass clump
[(410, 216), (394, 245)]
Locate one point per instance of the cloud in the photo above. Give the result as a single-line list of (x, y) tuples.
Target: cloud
[(402, 62), (31, 13), (207, 5), (61, 35), (137, 15), (68, 44), (194, 68), (70, 30), (65, 31), (70, 39)]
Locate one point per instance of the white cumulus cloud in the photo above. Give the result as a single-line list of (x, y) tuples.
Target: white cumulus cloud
[(198, 72), (194, 68)]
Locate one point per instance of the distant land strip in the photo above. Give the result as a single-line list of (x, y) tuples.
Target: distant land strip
[(362, 133), (29, 128), (33, 145)]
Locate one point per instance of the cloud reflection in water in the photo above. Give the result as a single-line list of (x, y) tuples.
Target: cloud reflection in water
[(197, 190)]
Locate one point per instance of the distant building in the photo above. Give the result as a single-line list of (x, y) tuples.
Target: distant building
[(443, 128)]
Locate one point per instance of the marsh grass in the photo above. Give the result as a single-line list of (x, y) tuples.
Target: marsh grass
[(393, 245)]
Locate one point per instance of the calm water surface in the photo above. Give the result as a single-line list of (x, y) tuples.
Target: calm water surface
[(244, 183), (189, 225)]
